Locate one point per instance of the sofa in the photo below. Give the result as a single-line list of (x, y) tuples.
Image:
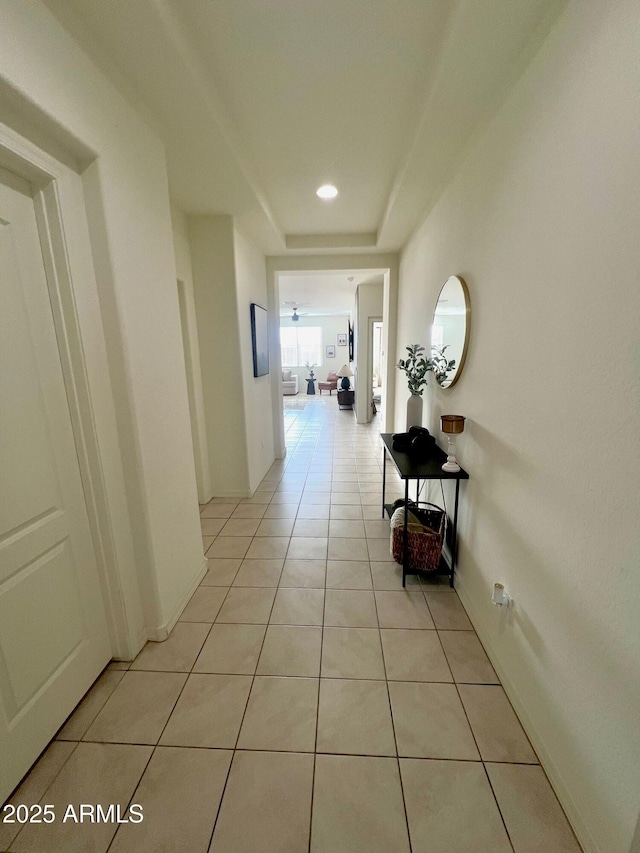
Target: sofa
[(330, 385), (289, 382)]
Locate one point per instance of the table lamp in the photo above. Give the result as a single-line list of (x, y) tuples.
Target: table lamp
[(344, 373), (451, 426)]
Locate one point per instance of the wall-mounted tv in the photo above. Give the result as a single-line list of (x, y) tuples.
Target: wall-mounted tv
[(260, 340)]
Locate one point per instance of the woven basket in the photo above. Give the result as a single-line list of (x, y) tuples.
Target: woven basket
[(425, 533)]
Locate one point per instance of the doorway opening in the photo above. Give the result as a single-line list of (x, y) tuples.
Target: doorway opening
[(377, 367)]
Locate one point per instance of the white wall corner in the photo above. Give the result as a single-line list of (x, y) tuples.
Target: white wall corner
[(161, 632)]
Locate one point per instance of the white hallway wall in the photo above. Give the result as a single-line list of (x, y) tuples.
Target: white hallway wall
[(56, 84), (228, 275), (191, 344), (541, 221), (251, 284), (214, 281)]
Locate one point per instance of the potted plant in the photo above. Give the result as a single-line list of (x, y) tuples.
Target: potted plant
[(416, 366), (440, 367), (310, 369)]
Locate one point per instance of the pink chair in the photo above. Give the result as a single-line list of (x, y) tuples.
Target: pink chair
[(330, 385)]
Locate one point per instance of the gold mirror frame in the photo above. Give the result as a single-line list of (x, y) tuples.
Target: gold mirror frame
[(467, 323)]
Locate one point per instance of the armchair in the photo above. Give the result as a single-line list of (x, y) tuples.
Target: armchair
[(289, 382), (330, 385)]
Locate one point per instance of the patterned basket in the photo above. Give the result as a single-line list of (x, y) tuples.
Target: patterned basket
[(425, 534)]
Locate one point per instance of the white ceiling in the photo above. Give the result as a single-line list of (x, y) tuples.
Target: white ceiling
[(317, 293), (259, 102)]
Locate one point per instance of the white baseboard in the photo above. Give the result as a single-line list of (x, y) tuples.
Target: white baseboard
[(233, 493), (553, 774), (162, 631)]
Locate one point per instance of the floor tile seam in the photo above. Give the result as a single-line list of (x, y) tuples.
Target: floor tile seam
[(203, 642), (524, 731), (161, 746), (473, 631), (55, 737), (48, 788), (393, 725), (442, 649), (386, 681), (200, 621), (495, 799), (244, 713), (389, 755), (315, 743), (555, 796), (133, 793), (473, 734), (253, 677), (281, 677), (386, 678), (152, 744), (188, 674)]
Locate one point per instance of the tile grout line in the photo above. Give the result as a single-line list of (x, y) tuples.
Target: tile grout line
[(235, 748), (504, 823), (133, 793), (482, 760), (155, 746), (15, 838), (315, 745), (393, 725)]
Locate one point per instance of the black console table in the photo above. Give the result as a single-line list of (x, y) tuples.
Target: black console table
[(410, 468)]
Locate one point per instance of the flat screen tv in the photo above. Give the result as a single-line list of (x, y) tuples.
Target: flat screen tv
[(260, 340)]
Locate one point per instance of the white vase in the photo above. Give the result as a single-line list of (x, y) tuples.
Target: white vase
[(414, 411)]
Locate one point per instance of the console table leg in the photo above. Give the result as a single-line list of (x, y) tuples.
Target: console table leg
[(404, 538), (454, 538), (384, 476)]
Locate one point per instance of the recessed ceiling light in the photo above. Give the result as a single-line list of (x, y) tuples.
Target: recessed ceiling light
[(327, 191)]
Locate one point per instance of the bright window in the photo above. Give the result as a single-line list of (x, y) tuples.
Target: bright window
[(300, 344)]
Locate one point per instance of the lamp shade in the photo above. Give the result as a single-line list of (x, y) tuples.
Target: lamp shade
[(345, 370), (452, 424)]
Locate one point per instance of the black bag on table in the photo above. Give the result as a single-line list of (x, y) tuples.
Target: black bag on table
[(417, 442)]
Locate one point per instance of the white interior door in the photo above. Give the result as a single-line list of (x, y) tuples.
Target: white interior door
[(53, 633)]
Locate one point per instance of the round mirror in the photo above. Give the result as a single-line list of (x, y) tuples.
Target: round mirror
[(450, 328)]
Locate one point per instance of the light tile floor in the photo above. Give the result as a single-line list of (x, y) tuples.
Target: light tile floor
[(304, 701)]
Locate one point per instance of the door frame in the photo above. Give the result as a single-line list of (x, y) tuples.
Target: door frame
[(370, 337), (387, 264), (60, 214)]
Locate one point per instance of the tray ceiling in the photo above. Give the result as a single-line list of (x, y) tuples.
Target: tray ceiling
[(259, 103)]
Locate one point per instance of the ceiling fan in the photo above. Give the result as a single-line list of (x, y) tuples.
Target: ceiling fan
[(295, 305)]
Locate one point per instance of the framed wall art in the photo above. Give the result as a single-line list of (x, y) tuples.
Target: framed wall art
[(330, 351), (259, 340), (342, 340)]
